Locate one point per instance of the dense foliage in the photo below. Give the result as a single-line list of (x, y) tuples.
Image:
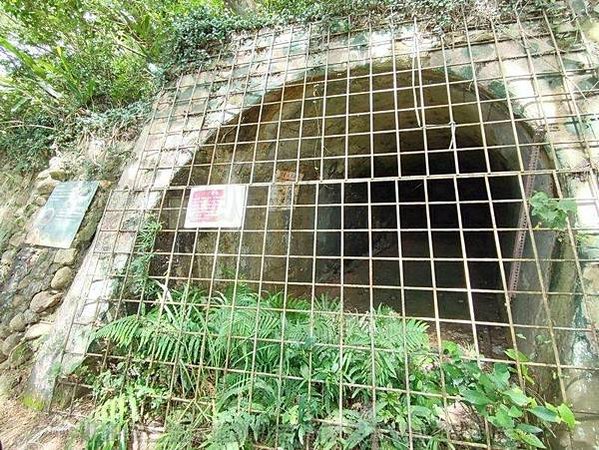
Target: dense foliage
[(65, 61), (304, 390), (235, 369)]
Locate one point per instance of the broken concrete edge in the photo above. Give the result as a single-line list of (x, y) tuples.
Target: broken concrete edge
[(49, 362)]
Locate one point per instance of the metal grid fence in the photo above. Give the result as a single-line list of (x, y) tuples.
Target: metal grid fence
[(376, 180)]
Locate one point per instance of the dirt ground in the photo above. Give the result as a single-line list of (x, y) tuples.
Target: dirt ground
[(22, 428)]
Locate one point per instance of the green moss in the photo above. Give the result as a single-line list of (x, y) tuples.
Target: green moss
[(31, 401), (465, 71), (498, 89)]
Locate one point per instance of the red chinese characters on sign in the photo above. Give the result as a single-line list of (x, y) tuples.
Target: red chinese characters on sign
[(206, 204), (216, 206)]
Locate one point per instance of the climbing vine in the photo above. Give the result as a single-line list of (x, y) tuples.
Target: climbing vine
[(551, 213)]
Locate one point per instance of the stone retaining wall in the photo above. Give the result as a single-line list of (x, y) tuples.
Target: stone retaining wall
[(33, 279)]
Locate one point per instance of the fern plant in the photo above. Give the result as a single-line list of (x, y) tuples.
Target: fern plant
[(110, 424), (282, 372), (139, 281)]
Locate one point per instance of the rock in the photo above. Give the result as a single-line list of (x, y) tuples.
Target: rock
[(46, 186), (40, 200), (86, 233), (105, 184), (48, 316), (31, 287), (44, 301), (20, 355), (18, 301), (4, 331), (3, 357), (30, 317), (25, 281), (8, 257), (66, 257), (7, 383), (30, 208), (55, 162), (11, 342), (62, 278), (16, 240), (56, 173), (43, 175), (37, 330), (18, 323), (4, 273)]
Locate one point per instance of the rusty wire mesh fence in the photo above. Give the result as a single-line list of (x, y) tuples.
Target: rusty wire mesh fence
[(405, 192)]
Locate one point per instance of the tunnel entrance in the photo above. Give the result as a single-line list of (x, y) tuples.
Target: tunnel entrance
[(389, 170), (381, 191)]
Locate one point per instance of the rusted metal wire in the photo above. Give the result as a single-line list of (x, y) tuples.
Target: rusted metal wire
[(417, 197)]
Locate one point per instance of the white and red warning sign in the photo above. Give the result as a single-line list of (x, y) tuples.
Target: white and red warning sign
[(216, 206)]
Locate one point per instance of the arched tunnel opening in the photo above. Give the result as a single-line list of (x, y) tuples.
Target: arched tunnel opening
[(374, 192)]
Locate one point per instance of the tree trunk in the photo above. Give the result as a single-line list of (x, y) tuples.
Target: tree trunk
[(241, 7)]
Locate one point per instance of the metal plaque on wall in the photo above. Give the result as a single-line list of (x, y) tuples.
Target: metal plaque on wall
[(57, 223)]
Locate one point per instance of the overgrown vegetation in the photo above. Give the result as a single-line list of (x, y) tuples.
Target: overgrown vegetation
[(65, 63), (304, 390), (551, 213), (235, 369), (139, 281)]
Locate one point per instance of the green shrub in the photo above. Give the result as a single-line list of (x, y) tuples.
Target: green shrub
[(198, 31), (27, 144), (240, 331), (66, 58)]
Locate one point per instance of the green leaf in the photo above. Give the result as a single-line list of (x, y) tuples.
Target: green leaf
[(502, 419), (305, 371), (515, 412), (566, 415), (451, 348), (500, 375), (545, 414), (531, 439), (421, 411), (517, 396), (529, 428), (516, 355), (567, 205), (476, 398), (291, 416)]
